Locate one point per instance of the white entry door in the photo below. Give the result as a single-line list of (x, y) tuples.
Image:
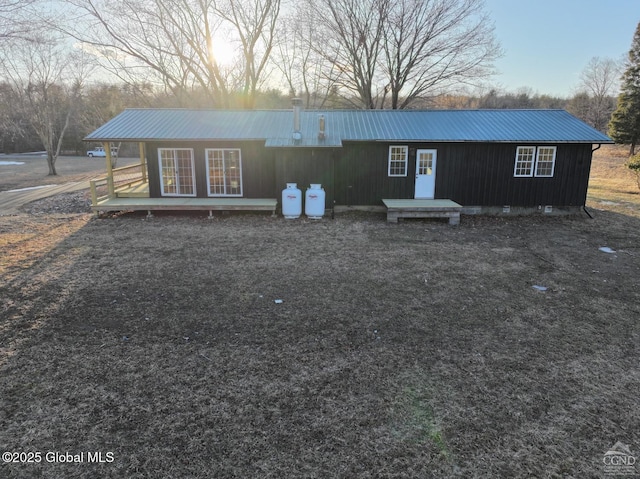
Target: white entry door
[(426, 173)]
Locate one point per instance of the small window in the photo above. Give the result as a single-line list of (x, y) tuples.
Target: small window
[(524, 161), (398, 159), (545, 161)]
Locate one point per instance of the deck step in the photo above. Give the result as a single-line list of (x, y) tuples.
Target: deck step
[(136, 190), (440, 208)]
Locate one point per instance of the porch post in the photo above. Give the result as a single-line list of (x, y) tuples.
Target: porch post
[(143, 162), (110, 187)]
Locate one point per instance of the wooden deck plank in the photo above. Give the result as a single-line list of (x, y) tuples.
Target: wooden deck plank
[(407, 208), (136, 190), (407, 203), (205, 204)]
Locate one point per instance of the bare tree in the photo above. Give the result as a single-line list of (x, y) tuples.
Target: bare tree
[(15, 21), (306, 72), (169, 42), (599, 81), (389, 53), (433, 44), (254, 23), (39, 73), (352, 34), (174, 42), (13, 125)]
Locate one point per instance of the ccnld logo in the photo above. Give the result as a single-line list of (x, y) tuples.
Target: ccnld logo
[(619, 460)]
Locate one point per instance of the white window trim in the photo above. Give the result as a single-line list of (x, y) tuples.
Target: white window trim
[(218, 195), (553, 161), (193, 173), (534, 163), (406, 161)]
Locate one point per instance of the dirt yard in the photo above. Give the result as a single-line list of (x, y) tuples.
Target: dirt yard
[(505, 347)]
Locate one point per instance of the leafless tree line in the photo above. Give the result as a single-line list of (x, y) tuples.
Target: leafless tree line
[(14, 19), (372, 53), (333, 53), (41, 81), (173, 43), (43, 86)]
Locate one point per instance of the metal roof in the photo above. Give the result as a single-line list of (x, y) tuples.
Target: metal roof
[(275, 127)]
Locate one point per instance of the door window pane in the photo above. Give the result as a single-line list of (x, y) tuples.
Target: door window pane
[(425, 165), (177, 172), (224, 167)]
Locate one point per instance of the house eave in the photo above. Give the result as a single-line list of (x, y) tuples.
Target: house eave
[(163, 140), (505, 141), (272, 144)]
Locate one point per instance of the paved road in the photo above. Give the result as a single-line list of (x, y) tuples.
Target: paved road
[(11, 201)]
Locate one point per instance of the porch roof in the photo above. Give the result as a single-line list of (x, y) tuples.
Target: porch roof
[(275, 127)]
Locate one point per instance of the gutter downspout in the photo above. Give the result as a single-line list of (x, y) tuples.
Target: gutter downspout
[(584, 207)]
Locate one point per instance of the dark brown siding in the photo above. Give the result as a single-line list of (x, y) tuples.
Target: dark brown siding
[(362, 175), (257, 167), (472, 174), (305, 166), (482, 174)]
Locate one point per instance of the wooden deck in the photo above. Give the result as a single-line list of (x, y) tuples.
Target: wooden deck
[(398, 209), (135, 190), (181, 204)]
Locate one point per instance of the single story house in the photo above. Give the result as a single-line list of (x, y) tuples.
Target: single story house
[(481, 160)]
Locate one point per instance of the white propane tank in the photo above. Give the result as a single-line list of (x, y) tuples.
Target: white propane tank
[(314, 202), (291, 201)]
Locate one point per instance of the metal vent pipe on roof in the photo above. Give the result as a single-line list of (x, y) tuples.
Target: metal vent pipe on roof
[(321, 127), (297, 110)]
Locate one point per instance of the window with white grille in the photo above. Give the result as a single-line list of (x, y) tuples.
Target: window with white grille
[(524, 161), (545, 161), (224, 172), (536, 161), (398, 159), (177, 174)]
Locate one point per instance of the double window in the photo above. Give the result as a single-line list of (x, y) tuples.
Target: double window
[(177, 174), (224, 172), (398, 159), (536, 161)]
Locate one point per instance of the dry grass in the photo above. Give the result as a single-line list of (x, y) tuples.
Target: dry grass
[(612, 184), (414, 350)]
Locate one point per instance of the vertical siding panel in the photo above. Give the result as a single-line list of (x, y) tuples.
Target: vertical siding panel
[(496, 173), (516, 183), (305, 166), (472, 174), (258, 171), (200, 169), (152, 169)]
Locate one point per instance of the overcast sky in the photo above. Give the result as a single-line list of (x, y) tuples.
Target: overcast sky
[(547, 43)]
